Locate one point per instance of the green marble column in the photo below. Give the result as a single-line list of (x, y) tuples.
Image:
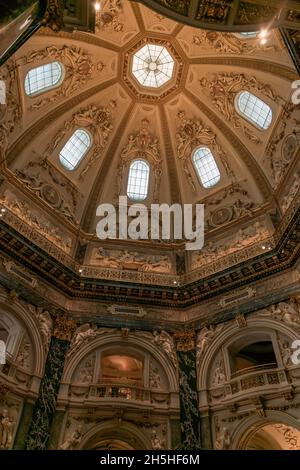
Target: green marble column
[(189, 414), (175, 434), (45, 406), (55, 430), (206, 437), (23, 427)]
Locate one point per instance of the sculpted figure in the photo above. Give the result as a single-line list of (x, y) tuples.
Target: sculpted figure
[(157, 443), (83, 334), (223, 440), (73, 440)]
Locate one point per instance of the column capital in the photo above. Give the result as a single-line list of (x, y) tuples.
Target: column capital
[(185, 340), (64, 328)]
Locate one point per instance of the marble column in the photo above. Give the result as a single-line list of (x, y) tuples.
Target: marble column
[(23, 427), (189, 414), (45, 406)]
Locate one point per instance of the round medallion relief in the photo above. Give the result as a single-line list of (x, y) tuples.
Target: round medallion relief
[(289, 147), (221, 216), (51, 195)]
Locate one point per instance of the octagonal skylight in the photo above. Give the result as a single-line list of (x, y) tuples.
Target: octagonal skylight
[(153, 66)]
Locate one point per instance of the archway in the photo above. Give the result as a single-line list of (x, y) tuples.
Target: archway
[(274, 436)]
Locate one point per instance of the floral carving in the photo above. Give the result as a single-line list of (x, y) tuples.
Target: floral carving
[(78, 66), (279, 165), (132, 261), (229, 43), (98, 121), (34, 219), (48, 183), (242, 238), (142, 144), (110, 17), (11, 112), (223, 89), (191, 134)]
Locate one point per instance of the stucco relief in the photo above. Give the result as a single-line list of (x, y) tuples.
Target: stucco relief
[(36, 221), (230, 44), (243, 238), (223, 89), (98, 120), (134, 261), (291, 191), (141, 144), (83, 335), (51, 186), (9, 415), (110, 17), (10, 113), (278, 154), (227, 205), (191, 134), (79, 68)]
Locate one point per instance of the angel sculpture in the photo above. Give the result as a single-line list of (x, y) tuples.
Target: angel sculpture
[(286, 313), (83, 334), (166, 343)]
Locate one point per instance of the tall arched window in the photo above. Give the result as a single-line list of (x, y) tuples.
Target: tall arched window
[(206, 167), (75, 149), (43, 78), (138, 180), (254, 110)]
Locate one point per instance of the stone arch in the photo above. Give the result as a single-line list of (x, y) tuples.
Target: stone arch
[(231, 332), (22, 318), (247, 428), (137, 342), (108, 430)]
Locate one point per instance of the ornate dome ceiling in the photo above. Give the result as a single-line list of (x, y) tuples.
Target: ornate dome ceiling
[(146, 86)]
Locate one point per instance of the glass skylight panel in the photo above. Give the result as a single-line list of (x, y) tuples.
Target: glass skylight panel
[(138, 180), (75, 149), (153, 66), (255, 110), (43, 78), (206, 167)]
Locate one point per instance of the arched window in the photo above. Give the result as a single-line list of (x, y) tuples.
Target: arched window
[(75, 149), (248, 35), (254, 110), (138, 180), (206, 167), (43, 78)]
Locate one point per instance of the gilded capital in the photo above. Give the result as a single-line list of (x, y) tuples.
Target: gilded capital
[(64, 328), (185, 340)]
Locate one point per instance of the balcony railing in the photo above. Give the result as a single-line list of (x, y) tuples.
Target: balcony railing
[(247, 370), (104, 391)]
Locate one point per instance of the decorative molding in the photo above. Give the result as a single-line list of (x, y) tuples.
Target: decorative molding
[(64, 328), (223, 88), (227, 43), (46, 182), (98, 121), (141, 144), (191, 134), (78, 70), (185, 341)]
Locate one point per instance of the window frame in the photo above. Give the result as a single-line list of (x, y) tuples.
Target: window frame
[(48, 88), (244, 116), (247, 35), (197, 171), (83, 155), (148, 181)]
